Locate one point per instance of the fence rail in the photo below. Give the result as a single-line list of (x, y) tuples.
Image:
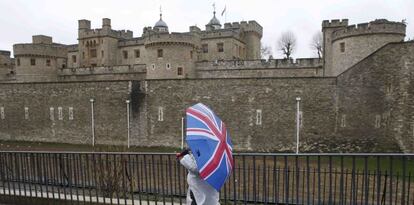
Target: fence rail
[(151, 178)]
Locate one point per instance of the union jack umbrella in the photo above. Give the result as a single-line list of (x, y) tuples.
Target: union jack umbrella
[(211, 145)]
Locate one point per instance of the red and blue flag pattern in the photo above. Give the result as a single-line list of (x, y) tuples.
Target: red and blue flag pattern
[(211, 145)]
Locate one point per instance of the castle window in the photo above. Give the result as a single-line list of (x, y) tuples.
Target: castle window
[(125, 54), (47, 62), (2, 113), (179, 71), (18, 62), (377, 121), (343, 120), (160, 53), (32, 61), (258, 117), (93, 53), (167, 66), (70, 113), (204, 48), (191, 54), (342, 46), (220, 47), (26, 113), (83, 55), (137, 53), (60, 113), (153, 66), (63, 65), (102, 53), (73, 58), (52, 113), (160, 114)]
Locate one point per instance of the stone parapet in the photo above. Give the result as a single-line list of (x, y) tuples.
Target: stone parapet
[(380, 26), (49, 50), (122, 69), (253, 64), (131, 42), (334, 23), (93, 33), (174, 38)]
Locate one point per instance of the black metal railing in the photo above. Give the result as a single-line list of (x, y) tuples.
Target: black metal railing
[(136, 178)]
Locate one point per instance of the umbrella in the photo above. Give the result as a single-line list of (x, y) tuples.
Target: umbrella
[(211, 145)]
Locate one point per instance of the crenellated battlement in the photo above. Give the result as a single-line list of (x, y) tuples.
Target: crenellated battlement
[(334, 23), (175, 38), (49, 50), (85, 30), (4, 53), (120, 69), (380, 26), (131, 42), (247, 26), (72, 48), (120, 34), (260, 64)]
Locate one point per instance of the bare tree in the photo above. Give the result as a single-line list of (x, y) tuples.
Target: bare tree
[(265, 51), (287, 44), (317, 44)]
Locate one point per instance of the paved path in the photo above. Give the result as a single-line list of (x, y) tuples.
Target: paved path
[(72, 197)]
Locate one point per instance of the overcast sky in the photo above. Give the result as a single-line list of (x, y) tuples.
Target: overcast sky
[(20, 19)]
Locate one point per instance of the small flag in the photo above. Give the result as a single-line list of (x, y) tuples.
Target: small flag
[(224, 10)]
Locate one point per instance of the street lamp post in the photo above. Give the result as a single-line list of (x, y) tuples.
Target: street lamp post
[(297, 123), (92, 122), (182, 132), (127, 103)]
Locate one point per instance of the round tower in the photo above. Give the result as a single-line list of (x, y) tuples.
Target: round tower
[(353, 43), (39, 60), (171, 56)]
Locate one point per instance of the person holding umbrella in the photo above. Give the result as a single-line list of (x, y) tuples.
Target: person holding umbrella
[(210, 162), (199, 192)]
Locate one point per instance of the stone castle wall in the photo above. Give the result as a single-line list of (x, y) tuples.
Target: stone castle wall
[(6, 66), (61, 112), (375, 99), (237, 101), (302, 67)]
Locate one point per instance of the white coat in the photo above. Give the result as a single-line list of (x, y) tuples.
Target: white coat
[(204, 193)]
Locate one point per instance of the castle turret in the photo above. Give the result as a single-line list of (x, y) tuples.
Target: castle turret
[(171, 55), (6, 66), (328, 27), (84, 24), (39, 60), (347, 45), (106, 24), (252, 35)]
